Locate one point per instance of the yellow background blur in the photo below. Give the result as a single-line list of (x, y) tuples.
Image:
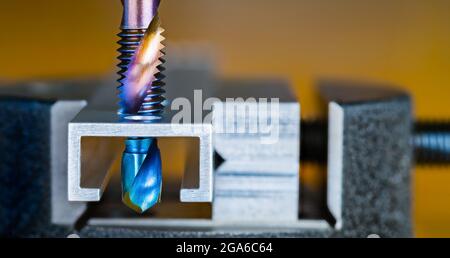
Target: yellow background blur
[(404, 42)]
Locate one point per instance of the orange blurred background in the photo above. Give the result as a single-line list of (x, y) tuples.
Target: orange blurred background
[(402, 42)]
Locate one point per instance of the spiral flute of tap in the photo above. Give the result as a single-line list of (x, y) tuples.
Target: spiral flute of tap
[(141, 92), (141, 84)]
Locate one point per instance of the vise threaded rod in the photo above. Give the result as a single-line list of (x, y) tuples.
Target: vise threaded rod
[(430, 140)]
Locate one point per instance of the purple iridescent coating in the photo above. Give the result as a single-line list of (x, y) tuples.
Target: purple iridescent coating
[(137, 14)]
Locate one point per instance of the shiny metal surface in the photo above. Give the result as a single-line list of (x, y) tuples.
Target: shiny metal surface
[(204, 224), (141, 67), (63, 212), (257, 180), (137, 14), (141, 173), (335, 161), (90, 123), (141, 92)]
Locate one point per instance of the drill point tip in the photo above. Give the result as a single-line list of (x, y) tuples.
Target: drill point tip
[(141, 174)]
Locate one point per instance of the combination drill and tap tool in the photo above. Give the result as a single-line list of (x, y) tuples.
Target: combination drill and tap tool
[(141, 99)]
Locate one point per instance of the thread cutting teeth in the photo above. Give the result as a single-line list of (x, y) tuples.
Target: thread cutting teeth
[(141, 69), (129, 43)]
